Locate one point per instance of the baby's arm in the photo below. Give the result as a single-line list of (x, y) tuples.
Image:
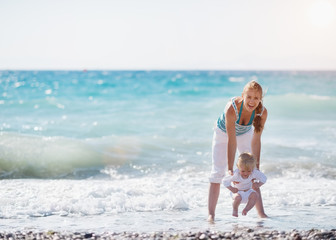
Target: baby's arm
[(227, 183), (232, 189)]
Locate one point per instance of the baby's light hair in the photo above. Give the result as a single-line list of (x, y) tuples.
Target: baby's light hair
[(246, 160)]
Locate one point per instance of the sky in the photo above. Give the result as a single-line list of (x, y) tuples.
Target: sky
[(168, 34)]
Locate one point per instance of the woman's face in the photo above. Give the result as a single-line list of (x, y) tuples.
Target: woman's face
[(252, 98)]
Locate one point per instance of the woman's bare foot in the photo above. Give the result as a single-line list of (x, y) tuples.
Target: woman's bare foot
[(263, 215), (211, 219), (235, 212)]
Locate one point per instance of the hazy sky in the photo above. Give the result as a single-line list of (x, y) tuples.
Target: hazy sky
[(168, 34)]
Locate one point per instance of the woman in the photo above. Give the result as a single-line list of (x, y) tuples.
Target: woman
[(234, 129)]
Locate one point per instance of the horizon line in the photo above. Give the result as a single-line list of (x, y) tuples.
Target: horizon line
[(168, 70)]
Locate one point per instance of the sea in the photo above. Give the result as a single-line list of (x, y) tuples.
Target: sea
[(115, 151)]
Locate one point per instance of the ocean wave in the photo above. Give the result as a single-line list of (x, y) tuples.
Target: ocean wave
[(31, 156), (299, 169), (95, 197), (300, 98), (294, 104), (115, 157), (26, 156), (236, 79)]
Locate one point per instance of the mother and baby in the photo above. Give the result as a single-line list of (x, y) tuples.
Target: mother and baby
[(234, 130)]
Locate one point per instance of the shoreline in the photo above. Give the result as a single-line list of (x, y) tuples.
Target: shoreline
[(245, 233)]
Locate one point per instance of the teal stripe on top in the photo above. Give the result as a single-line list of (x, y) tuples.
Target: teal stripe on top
[(240, 129)]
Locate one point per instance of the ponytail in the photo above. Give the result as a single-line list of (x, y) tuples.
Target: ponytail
[(257, 119)]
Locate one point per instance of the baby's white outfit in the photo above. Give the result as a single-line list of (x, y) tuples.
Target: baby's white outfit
[(244, 185)]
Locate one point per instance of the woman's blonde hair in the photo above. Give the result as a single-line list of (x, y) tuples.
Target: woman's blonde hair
[(246, 160), (253, 85)]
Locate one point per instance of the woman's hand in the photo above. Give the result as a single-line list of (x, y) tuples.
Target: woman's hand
[(230, 172), (256, 184)]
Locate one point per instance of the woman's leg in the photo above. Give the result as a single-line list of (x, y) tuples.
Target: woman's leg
[(259, 205), (219, 168), (212, 201)]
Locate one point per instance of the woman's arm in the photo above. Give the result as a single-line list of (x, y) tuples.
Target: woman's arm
[(230, 118), (258, 180), (256, 139)]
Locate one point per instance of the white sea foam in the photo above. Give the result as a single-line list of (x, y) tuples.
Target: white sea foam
[(183, 190), (175, 194), (236, 79), (301, 100), (94, 197), (323, 98)]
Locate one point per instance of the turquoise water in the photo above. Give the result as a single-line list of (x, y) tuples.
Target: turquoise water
[(114, 145)]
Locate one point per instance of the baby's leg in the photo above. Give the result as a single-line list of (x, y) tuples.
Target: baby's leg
[(251, 202), (236, 201)]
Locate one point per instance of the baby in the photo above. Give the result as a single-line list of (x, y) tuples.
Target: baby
[(243, 181)]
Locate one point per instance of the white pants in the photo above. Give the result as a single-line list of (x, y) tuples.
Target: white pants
[(219, 152)]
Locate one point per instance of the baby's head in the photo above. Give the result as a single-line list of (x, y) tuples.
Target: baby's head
[(246, 163)]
